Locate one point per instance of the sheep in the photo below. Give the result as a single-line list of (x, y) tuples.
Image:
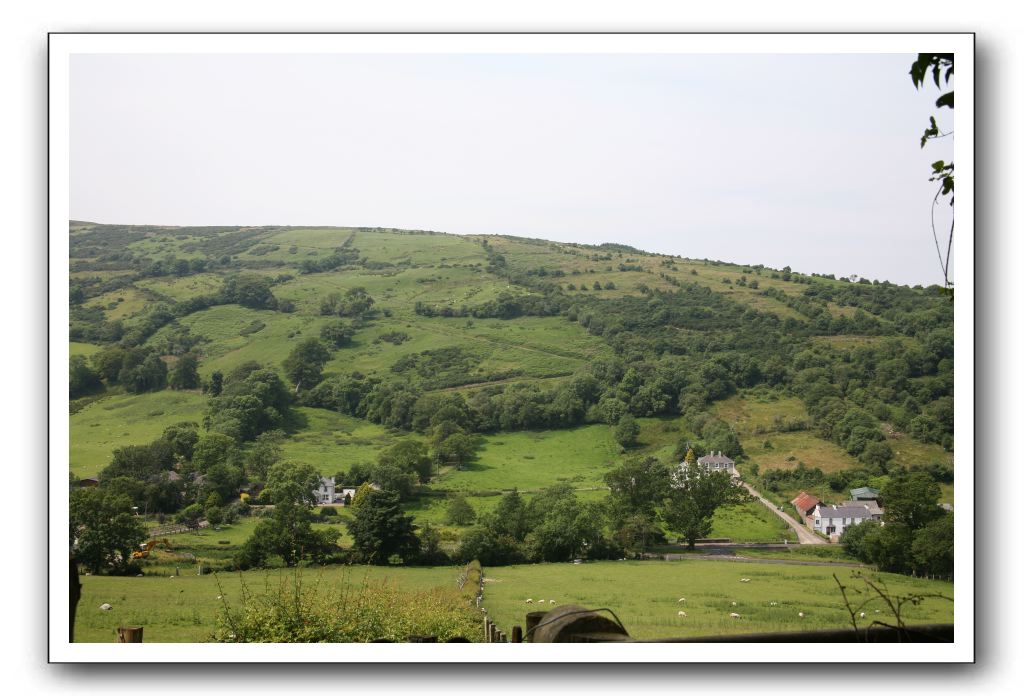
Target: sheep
[(529, 601), (683, 614), (682, 600), (734, 604), (734, 615), (774, 604), (863, 614), (540, 601), (551, 602), (801, 614), (105, 607), (743, 579)]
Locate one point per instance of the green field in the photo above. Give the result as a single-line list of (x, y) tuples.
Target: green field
[(645, 594), (332, 442), (116, 421)]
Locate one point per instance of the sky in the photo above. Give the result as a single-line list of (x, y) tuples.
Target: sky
[(808, 161)]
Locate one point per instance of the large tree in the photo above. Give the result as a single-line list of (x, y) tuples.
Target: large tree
[(380, 529), (304, 365), (103, 530), (693, 497)]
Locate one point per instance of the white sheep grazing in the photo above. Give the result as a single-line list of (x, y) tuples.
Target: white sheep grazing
[(744, 580), (735, 616), (540, 601), (551, 602), (801, 614), (734, 604), (683, 614), (529, 601), (862, 614), (682, 600), (105, 607), (774, 604)]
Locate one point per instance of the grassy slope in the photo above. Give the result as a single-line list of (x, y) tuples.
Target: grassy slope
[(122, 420)]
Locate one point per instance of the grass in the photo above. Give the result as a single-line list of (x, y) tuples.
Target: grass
[(644, 595), (116, 421), (537, 459), (86, 349), (184, 609), (332, 442), (750, 522), (788, 449)]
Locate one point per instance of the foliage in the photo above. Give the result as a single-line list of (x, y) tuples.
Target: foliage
[(460, 512), (627, 431), (304, 365), (185, 374), (103, 530), (691, 500), (297, 611), (336, 333), (82, 379), (380, 529)]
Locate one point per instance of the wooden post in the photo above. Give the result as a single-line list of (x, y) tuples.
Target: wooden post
[(500, 637), (129, 634), (532, 619), (516, 634), (76, 594)]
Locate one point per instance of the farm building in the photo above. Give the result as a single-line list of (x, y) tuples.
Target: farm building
[(805, 504), (876, 511), (864, 493), (833, 520)]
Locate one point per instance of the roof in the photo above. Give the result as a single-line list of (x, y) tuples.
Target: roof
[(835, 512), (804, 502), (864, 492), (714, 459), (871, 505)]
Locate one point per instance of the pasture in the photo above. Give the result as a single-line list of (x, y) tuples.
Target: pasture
[(645, 594), (126, 419)]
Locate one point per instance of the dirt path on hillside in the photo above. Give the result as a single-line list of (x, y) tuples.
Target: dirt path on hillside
[(804, 535)]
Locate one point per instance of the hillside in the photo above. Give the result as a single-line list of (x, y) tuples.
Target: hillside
[(510, 359)]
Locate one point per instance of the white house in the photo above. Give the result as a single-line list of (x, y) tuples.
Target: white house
[(325, 493), (833, 519), (717, 462)]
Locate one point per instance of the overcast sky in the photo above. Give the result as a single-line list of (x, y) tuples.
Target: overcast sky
[(809, 161)]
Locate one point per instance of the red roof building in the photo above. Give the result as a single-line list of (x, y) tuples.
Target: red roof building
[(805, 503)]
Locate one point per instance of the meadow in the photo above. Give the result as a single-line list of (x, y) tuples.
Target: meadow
[(644, 595)]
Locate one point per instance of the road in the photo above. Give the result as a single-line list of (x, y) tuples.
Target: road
[(804, 535)]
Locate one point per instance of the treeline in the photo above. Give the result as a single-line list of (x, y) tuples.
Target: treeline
[(505, 306)]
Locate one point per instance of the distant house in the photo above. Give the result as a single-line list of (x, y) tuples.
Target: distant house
[(833, 520), (805, 504), (864, 493), (717, 462), (325, 493)]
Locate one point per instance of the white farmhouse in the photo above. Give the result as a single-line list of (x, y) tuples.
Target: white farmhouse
[(833, 520), (325, 492), (717, 462)]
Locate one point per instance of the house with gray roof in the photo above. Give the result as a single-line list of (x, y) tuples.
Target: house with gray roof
[(717, 462), (833, 520)]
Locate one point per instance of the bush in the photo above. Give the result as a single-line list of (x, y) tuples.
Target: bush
[(328, 512), (293, 610)]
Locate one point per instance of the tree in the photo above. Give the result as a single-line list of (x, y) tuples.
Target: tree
[(289, 533), (626, 433), (637, 487), (103, 530), (336, 333), (380, 529), (304, 365), (941, 66), (410, 456), (185, 374), (458, 450), (460, 512), (82, 379), (911, 498), (264, 453), (216, 383), (212, 449), (150, 375), (692, 499), (933, 547)]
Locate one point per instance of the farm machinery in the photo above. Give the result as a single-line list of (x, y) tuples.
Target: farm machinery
[(148, 547)]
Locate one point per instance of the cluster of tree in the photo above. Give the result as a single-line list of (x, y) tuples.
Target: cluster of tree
[(355, 303), (400, 469), (553, 526), (104, 531), (342, 256), (505, 306), (917, 534), (251, 400), (137, 369), (822, 320)]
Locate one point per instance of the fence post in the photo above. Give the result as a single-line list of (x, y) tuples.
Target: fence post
[(129, 634), (516, 636), (532, 619), (76, 594)]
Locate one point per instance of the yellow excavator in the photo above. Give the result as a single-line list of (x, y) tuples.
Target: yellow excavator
[(148, 547)]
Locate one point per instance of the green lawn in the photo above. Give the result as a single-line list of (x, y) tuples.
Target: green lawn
[(644, 595), (332, 442), (750, 522), (85, 349)]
